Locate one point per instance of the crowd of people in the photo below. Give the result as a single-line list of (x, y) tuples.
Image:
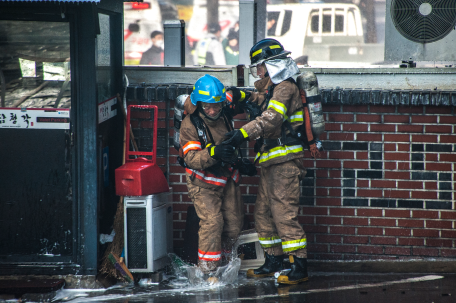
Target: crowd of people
[(213, 49)]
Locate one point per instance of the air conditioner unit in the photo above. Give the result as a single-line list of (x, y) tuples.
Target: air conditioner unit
[(420, 30), (148, 223)]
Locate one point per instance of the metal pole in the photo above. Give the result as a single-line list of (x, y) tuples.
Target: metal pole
[(174, 42), (252, 26)]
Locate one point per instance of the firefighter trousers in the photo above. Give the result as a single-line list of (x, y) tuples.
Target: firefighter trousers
[(221, 213), (276, 209)]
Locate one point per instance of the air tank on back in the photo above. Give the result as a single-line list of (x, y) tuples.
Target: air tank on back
[(308, 82), (178, 117)]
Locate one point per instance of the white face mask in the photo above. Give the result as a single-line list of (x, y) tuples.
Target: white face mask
[(159, 43)]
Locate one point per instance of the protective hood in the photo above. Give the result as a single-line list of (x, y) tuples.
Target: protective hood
[(281, 69)]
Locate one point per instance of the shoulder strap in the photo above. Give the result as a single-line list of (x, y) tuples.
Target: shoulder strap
[(200, 129)]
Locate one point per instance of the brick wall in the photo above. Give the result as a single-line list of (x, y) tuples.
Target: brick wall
[(383, 189)]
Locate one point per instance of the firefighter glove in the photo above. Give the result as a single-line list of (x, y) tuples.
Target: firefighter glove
[(238, 95), (236, 137), (222, 152)]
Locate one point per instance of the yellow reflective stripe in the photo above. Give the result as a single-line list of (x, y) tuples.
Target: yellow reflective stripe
[(256, 53), (223, 90), (211, 151), (242, 96), (274, 46), (209, 144), (270, 242), (278, 107), (256, 157), (296, 117), (280, 151), (244, 133), (202, 92), (294, 245)]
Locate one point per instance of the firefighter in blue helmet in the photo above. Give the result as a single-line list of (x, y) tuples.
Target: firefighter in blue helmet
[(213, 185)]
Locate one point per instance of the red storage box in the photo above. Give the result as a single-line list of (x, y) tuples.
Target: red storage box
[(140, 176)]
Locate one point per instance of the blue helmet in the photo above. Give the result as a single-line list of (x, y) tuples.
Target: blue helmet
[(208, 89)]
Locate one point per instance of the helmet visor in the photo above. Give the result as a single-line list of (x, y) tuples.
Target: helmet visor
[(257, 70)]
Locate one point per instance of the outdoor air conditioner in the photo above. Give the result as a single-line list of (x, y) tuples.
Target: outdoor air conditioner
[(420, 30), (148, 223)]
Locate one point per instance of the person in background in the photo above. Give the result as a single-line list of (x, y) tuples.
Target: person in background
[(209, 51), (231, 47), (154, 55)]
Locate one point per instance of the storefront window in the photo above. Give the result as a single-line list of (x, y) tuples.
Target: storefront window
[(103, 60), (35, 64)]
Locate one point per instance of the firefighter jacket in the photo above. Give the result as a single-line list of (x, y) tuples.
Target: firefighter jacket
[(285, 104), (204, 170)]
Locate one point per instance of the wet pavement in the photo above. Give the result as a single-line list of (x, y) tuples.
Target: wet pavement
[(321, 287)]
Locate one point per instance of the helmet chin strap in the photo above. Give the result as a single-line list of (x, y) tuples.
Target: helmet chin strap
[(215, 118)]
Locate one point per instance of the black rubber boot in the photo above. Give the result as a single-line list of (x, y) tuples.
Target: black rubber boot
[(298, 272), (271, 265)]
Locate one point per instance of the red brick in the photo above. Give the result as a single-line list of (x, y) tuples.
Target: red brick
[(362, 156), (383, 128), (427, 233), (341, 136), (402, 232), (443, 110), (396, 213), (439, 243), (306, 220), (315, 229), (369, 137), (425, 252), (370, 231), (428, 214), (328, 182), (448, 157), (410, 110), (362, 183), (403, 147), (328, 202), (448, 253), (372, 250), (397, 251), (396, 194), (136, 114), (356, 240), (331, 108), (328, 164), (438, 129), (342, 248), (383, 241), (356, 221), (368, 118), (410, 223), (383, 184), (448, 214), (356, 164), (355, 109), (341, 212), (424, 138), (410, 184), (340, 117), (439, 224), (382, 222), (250, 180), (341, 155), (439, 166), (334, 174), (410, 128), (389, 147), (178, 225), (321, 173), (362, 212), (342, 230), (332, 127), (328, 239), (424, 195), (424, 119), (355, 127), (382, 109), (390, 165), (447, 139), (447, 120), (396, 156), (369, 193), (396, 138), (328, 220), (411, 241), (396, 119), (403, 166), (448, 234), (322, 192)]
